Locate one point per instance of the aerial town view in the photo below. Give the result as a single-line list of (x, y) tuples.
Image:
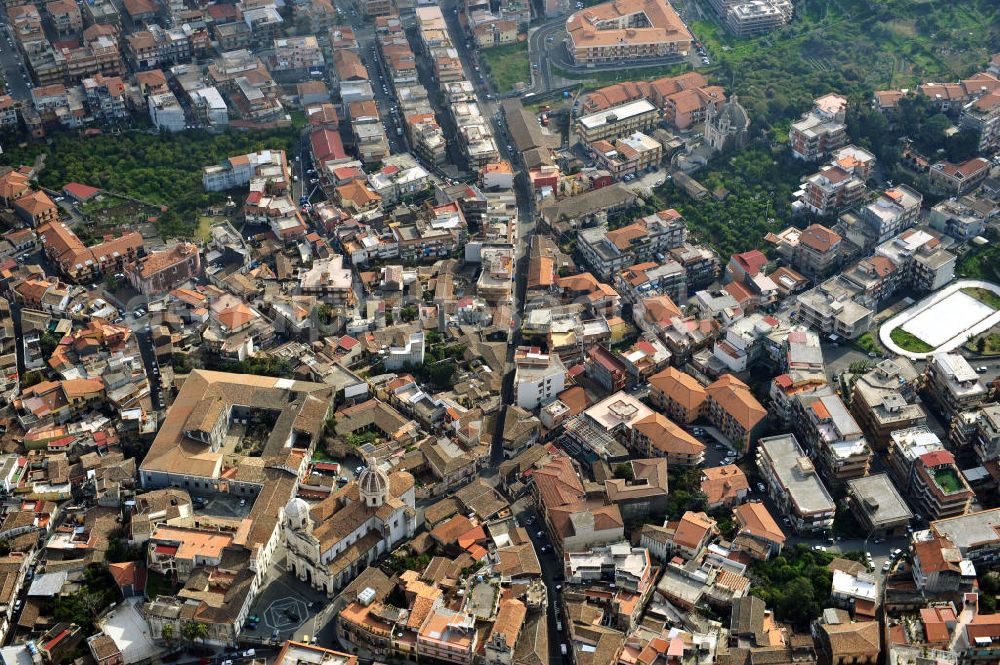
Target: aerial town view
[(500, 332)]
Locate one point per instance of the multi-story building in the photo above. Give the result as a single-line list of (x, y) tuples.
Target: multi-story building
[(166, 112), (618, 121), (885, 400), (830, 308), (65, 15), (924, 470), (80, 263), (983, 117), (105, 97), (794, 484), (746, 18), (952, 384), (820, 131), (958, 179), (976, 535), (732, 408), (938, 488), (650, 279), (239, 170), (894, 211), (831, 190), (678, 394), (8, 112), (878, 506), (628, 155), (538, 377), (817, 252), (625, 31), (958, 219), (647, 239), (298, 54), (159, 272), (833, 437)]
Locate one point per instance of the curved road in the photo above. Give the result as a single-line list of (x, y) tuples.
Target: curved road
[(547, 48)]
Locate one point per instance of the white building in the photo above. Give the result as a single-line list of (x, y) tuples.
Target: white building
[(211, 106), (166, 112), (411, 353), (538, 377), (329, 544)]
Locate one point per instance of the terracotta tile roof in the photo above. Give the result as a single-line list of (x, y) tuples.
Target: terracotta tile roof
[(755, 519), (819, 238), (35, 203), (681, 387), (752, 262), (624, 237), (541, 272), (664, 24), (965, 169), (558, 483), (449, 532), (509, 621), (721, 483), (660, 308), (692, 529), (667, 436), (736, 399), (847, 640)]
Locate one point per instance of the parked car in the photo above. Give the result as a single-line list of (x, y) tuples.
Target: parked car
[(886, 566)]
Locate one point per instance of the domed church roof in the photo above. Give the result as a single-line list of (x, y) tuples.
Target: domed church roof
[(296, 510)]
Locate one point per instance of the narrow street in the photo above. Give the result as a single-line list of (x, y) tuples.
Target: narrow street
[(551, 568)]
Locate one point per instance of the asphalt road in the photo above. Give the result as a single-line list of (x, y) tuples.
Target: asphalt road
[(13, 67)]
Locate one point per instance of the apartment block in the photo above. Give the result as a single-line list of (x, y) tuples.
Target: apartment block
[(959, 218), (746, 18), (628, 155), (678, 394), (878, 506), (894, 211), (617, 122), (983, 117), (647, 239), (794, 484), (820, 131), (952, 385), (625, 31), (732, 408), (834, 438), (958, 179), (830, 308), (884, 400)]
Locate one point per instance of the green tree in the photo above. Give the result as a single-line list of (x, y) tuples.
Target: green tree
[(194, 631), (168, 632), (625, 472)]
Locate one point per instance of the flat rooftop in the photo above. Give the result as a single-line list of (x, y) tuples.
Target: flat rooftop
[(617, 114), (799, 479), (970, 530), (880, 498)]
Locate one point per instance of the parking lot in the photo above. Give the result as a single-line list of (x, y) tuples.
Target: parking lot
[(289, 609), (224, 505)]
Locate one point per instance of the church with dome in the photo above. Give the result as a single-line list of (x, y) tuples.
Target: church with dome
[(330, 543), (727, 126)]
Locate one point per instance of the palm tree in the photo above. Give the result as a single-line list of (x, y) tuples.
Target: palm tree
[(194, 631)]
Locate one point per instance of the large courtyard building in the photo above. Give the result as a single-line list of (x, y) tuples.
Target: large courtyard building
[(626, 31)]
